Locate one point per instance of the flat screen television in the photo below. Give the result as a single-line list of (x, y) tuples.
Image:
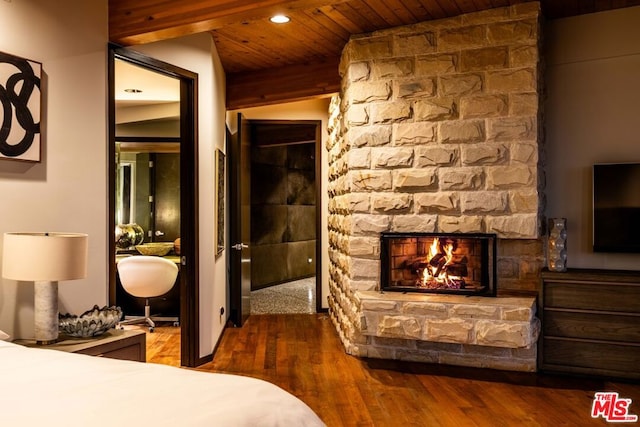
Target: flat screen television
[(616, 207)]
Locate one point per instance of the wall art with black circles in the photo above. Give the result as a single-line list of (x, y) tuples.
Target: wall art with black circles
[(20, 99)]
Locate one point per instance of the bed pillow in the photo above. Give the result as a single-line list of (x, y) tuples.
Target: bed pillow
[(3, 336)]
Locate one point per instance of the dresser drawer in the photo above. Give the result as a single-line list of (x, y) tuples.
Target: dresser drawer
[(593, 296), (623, 328), (585, 357)]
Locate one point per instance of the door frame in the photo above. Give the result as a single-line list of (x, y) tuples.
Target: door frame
[(316, 137), (189, 282)]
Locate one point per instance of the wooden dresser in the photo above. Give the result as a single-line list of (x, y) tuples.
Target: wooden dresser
[(590, 323), (114, 344)]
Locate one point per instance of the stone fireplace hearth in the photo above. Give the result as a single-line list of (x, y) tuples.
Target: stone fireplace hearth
[(436, 130)]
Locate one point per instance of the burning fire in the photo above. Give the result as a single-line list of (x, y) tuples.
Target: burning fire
[(435, 274)]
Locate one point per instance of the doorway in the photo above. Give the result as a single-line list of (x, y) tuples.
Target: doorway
[(170, 142), (285, 212)]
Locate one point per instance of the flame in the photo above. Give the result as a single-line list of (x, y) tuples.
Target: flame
[(437, 276)]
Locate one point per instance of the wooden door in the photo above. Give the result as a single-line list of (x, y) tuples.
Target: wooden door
[(240, 222)]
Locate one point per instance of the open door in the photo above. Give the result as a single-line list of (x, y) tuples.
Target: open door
[(240, 222)]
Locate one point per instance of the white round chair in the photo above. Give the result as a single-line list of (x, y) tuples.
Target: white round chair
[(146, 277)]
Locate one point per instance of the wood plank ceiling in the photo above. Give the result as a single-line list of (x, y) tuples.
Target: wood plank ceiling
[(268, 63)]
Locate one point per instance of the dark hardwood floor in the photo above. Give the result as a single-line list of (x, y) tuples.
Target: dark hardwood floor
[(303, 355)]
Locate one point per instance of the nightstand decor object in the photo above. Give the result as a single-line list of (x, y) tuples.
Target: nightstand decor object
[(91, 323), (45, 259)]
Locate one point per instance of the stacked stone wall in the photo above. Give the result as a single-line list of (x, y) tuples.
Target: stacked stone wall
[(436, 129)]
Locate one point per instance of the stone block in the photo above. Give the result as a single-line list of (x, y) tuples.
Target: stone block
[(506, 177), (512, 80), (363, 49), (416, 356), (370, 180), (474, 311), (460, 84), (364, 247), (435, 156), (357, 72), (392, 68), (414, 223), (362, 268), (379, 305), (414, 133), (357, 115), (436, 65), (483, 106), (424, 309), (513, 32), (518, 314), (359, 158), (523, 152), (364, 225), (520, 226), (370, 136), (390, 112), (435, 109), (462, 38), (486, 16), (415, 179), (364, 285), (449, 330), (391, 202), (484, 154), (524, 201), (399, 327), (465, 131), (408, 89), (513, 128), (463, 224), (398, 343), (441, 202), (358, 202), (524, 104), (361, 92), (489, 58), (391, 157), (503, 334), (523, 56), (484, 202), (467, 178), (408, 44)]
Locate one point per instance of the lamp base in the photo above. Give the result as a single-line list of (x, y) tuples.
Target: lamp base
[(46, 312)]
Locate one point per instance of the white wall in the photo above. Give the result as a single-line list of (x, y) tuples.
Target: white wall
[(591, 116), (67, 190), (315, 109), (198, 54)]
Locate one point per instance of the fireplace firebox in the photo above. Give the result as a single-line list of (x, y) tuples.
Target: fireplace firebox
[(453, 263)]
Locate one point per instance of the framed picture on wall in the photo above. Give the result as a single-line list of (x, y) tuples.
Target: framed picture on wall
[(219, 202), (20, 99)]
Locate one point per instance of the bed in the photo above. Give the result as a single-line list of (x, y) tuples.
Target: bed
[(54, 388)]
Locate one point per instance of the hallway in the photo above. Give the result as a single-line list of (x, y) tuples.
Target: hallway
[(297, 297)]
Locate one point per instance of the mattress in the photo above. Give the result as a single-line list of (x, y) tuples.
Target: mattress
[(53, 388)]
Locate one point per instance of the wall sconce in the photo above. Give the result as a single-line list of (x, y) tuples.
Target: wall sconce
[(45, 258)]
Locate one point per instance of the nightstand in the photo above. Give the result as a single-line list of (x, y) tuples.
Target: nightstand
[(115, 344)]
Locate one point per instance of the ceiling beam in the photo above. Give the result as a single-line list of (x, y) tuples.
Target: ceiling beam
[(144, 21), (283, 84)]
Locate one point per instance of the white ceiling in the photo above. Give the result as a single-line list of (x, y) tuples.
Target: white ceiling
[(156, 88)]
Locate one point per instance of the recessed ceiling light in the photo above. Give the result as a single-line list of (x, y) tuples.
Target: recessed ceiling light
[(133, 90), (279, 19)]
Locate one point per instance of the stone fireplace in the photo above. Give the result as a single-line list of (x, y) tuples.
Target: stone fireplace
[(436, 130)]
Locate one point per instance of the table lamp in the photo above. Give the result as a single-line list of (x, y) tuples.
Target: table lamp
[(45, 258)]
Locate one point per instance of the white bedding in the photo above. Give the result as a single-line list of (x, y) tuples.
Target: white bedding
[(40, 387)]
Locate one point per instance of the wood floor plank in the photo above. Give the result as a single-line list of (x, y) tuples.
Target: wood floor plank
[(303, 355)]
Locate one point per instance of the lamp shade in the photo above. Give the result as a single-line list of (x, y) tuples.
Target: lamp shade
[(44, 256)]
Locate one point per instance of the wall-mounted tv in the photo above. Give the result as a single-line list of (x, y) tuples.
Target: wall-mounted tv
[(616, 207)]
